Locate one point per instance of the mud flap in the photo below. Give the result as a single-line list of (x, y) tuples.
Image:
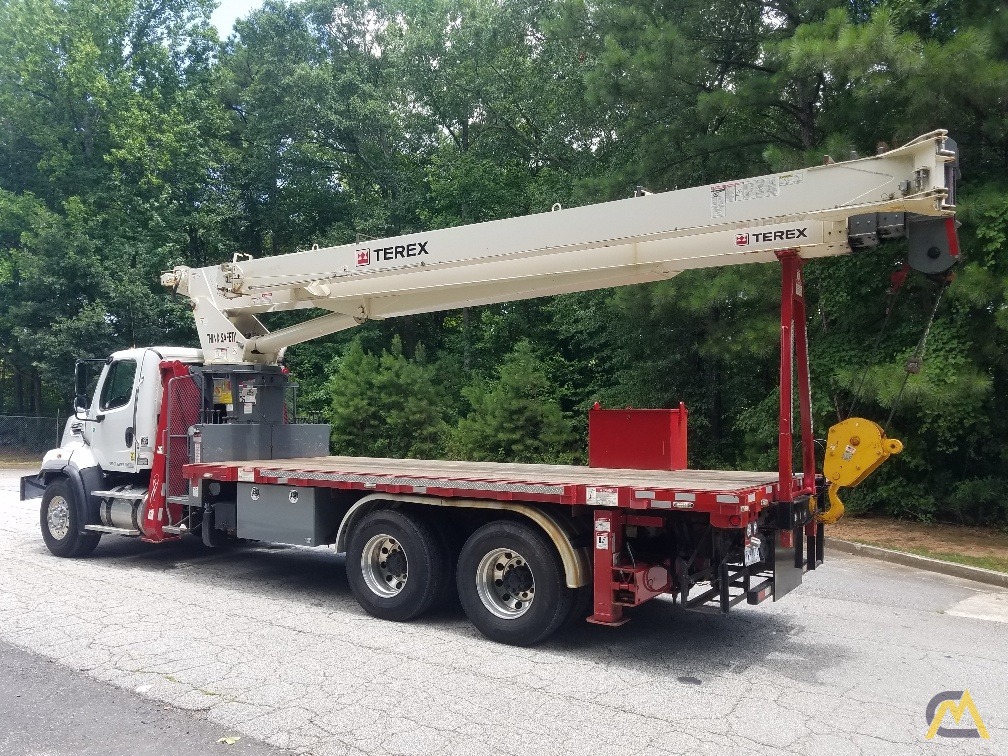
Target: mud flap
[(788, 564), (32, 487), (207, 527)]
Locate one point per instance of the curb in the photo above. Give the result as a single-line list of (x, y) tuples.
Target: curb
[(978, 574)]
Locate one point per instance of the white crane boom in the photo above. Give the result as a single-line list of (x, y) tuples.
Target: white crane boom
[(646, 238)]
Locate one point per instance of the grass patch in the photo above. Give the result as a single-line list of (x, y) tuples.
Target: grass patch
[(998, 564), (986, 548), (21, 460)]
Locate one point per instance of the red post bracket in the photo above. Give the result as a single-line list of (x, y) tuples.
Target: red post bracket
[(608, 545), (155, 513), (794, 357)]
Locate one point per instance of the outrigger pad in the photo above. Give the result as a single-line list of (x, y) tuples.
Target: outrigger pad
[(934, 244)]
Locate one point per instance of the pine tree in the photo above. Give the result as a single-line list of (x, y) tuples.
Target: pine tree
[(515, 416)]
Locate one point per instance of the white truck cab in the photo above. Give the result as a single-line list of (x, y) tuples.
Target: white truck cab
[(120, 420)]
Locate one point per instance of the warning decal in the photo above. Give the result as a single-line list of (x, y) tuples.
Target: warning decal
[(762, 187), (601, 497)]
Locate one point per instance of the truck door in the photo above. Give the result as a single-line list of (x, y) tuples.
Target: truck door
[(113, 435), (147, 400)]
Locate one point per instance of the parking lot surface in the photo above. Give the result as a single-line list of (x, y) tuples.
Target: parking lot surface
[(268, 643), (47, 709)]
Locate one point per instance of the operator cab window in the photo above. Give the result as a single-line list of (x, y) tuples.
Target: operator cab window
[(118, 386)]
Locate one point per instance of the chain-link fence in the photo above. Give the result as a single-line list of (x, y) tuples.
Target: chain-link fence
[(29, 436)]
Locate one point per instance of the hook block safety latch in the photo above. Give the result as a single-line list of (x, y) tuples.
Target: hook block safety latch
[(855, 447)]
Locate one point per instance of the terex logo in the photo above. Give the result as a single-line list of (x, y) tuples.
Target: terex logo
[(765, 237), (393, 252)]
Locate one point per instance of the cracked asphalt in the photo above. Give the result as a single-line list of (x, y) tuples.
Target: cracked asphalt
[(269, 644)]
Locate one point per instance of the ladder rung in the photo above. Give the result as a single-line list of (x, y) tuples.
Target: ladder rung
[(112, 531)]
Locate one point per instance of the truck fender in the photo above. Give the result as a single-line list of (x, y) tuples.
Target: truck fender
[(576, 561), (52, 465), (83, 481)]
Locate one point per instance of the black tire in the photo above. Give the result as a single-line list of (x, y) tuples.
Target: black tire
[(61, 532), (451, 540), (581, 606), (513, 550), (415, 551)]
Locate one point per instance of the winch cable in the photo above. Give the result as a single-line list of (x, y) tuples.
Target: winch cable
[(855, 446), (894, 291), (913, 365), (824, 329)]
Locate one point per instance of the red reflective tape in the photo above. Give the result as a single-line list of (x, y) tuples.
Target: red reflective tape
[(952, 237)]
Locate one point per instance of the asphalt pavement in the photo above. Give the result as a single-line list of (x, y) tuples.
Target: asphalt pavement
[(49, 709), (185, 645)]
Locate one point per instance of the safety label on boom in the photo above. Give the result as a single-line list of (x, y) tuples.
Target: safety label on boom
[(721, 195)]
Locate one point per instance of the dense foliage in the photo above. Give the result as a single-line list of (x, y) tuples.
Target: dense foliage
[(132, 138)]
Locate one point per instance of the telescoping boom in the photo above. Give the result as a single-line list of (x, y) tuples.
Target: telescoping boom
[(821, 211)]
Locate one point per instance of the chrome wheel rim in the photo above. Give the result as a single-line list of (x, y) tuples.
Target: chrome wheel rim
[(58, 517), (505, 583), (384, 565)]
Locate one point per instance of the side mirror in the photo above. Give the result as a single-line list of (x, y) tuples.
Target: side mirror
[(81, 401)]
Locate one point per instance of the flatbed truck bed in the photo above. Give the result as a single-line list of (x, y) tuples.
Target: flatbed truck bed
[(623, 536), (575, 485)]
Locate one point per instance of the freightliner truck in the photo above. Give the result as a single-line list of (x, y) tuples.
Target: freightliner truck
[(179, 442)]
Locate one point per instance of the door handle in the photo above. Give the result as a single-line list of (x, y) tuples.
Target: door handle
[(129, 437)]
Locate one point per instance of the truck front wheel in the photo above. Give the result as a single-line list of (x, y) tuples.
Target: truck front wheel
[(58, 519), (511, 584), (397, 568)]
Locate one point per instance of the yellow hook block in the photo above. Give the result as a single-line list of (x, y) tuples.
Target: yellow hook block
[(854, 449)]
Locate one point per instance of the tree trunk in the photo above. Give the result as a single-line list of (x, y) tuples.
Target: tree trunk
[(18, 393), (466, 341), (716, 404)]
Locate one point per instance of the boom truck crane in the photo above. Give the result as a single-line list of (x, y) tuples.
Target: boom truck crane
[(202, 442)]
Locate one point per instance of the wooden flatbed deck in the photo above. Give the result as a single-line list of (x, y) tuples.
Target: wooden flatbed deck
[(699, 480), (560, 484)]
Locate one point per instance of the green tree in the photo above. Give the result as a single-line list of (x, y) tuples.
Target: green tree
[(386, 405), (104, 141), (515, 416)]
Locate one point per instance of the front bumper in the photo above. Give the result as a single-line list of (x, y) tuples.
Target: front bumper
[(32, 486)]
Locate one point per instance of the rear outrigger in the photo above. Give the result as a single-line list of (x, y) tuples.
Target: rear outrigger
[(184, 442)]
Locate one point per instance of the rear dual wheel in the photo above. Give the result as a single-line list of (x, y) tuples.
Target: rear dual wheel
[(396, 566), (512, 585), (509, 576)]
